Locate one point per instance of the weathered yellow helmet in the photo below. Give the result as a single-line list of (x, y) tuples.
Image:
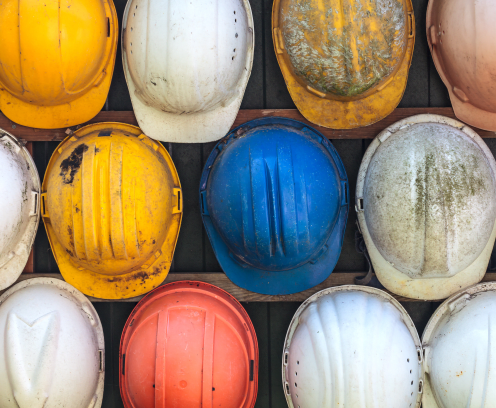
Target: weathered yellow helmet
[(112, 206), (56, 60), (345, 62)]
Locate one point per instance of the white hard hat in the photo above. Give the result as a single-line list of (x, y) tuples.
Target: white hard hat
[(187, 65), (19, 204), (426, 203), (352, 346), (459, 345), (51, 347)]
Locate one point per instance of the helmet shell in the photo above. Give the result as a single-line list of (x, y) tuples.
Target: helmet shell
[(111, 209), (188, 344), (352, 346), (19, 207), (342, 60), (462, 39), (459, 347), (55, 84), (51, 345), (187, 65), (427, 188), (259, 193)]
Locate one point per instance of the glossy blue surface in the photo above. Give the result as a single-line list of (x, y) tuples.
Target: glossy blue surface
[(274, 202)]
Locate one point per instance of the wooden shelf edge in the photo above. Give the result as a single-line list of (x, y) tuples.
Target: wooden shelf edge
[(221, 280), (244, 115)]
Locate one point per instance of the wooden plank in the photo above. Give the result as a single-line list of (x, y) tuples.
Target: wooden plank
[(244, 115), (221, 280)]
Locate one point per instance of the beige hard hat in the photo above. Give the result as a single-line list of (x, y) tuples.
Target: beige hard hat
[(426, 204), (462, 39)]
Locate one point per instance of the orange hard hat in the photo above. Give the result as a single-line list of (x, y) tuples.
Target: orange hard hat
[(188, 344)]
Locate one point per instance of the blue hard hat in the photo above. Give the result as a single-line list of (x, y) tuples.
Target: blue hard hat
[(274, 202)]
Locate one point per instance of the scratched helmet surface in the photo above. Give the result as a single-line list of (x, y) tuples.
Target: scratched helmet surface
[(342, 59), (54, 84), (459, 347), (427, 200), (19, 207), (111, 203), (188, 344), (52, 347), (352, 346), (275, 202)]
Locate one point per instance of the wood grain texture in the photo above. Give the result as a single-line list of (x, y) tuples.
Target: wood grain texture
[(244, 115), (221, 280)]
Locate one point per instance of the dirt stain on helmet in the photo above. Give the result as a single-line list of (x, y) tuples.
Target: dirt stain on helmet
[(70, 166)]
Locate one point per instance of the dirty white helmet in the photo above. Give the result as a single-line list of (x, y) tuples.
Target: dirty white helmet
[(19, 214), (426, 203), (187, 65), (459, 345), (51, 347), (352, 346)]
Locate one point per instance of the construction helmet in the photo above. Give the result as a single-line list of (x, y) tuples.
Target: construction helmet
[(67, 51), (459, 346), (345, 63), (352, 346), (189, 66), (188, 344), (426, 203), (462, 39), (274, 202), (19, 207), (112, 206), (51, 347)]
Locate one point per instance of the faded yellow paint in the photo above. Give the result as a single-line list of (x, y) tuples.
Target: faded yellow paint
[(56, 60), (112, 208), (345, 64)]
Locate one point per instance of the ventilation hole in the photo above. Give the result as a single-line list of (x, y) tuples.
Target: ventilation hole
[(43, 204), (35, 203), (296, 395), (108, 27), (131, 51), (285, 356), (131, 44), (136, 6), (410, 371), (411, 393), (296, 373), (407, 360), (234, 50), (296, 385), (235, 13), (298, 363), (179, 200), (411, 383), (443, 32), (134, 14), (235, 35), (232, 58), (235, 20)]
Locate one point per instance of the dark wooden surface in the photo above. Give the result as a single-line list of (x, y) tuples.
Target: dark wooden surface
[(244, 115), (266, 90)]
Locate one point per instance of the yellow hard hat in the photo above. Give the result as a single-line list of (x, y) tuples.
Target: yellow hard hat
[(56, 61), (112, 207), (345, 63)]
